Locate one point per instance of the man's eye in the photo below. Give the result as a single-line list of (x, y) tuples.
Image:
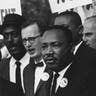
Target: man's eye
[(88, 34), (24, 40), (5, 36), (44, 47), (57, 45), (31, 39), (15, 36)]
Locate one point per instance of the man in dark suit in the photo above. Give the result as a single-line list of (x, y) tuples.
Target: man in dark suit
[(31, 37), (8, 88), (74, 23), (13, 68), (74, 76)]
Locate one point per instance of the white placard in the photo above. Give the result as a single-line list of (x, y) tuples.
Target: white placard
[(63, 5), (9, 6)]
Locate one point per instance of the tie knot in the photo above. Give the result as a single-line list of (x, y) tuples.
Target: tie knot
[(18, 63)]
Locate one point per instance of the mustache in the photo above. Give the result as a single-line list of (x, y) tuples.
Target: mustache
[(49, 56), (12, 45)]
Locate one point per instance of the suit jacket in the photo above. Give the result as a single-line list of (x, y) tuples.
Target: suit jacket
[(43, 89), (0, 55), (80, 75), (9, 89), (4, 72), (28, 78)]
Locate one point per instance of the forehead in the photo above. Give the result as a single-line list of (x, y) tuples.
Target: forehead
[(10, 30), (62, 20), (90, 26), (53, 35), (30, 31)]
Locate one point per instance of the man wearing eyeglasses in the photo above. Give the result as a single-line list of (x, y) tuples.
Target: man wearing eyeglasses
[(31, 40), (31, 37)]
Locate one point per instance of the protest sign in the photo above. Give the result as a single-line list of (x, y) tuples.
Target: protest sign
[(9, 6), (63, 5)]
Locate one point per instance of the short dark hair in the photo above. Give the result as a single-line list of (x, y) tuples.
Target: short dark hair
[(74, 15), (12, 20), (65, 30), (31, 21)]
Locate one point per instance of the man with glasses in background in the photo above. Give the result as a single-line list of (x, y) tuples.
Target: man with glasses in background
[(31, 36)]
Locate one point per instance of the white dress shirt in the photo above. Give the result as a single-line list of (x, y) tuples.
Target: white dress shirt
[(24, 62), (38, 74)]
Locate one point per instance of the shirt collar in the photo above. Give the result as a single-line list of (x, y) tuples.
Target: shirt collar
[(24, 61), (77, 46), (42, 60), (12, 61), (62, 72)]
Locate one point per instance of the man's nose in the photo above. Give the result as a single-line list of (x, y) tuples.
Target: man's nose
[(9, 38), (50, 50), (28, 44), (84, 38)]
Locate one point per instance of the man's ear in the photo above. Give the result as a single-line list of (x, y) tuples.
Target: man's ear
[(80, 29), (71, 47)]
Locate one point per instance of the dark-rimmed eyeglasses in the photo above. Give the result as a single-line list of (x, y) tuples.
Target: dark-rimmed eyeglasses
[(30, 39)]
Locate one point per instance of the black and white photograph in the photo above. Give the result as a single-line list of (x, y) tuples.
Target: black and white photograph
[(47, 47)]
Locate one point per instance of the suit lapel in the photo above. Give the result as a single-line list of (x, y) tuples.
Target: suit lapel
[(28, 80), (81, 47), (68, 77), (41, 83), (5, 70)]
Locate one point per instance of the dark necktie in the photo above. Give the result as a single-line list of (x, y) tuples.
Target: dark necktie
[(18, 75), (54, 84)]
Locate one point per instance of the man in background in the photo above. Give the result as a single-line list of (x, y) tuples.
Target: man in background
[(73, 21), (3, 50), (31, 37), (89, 33), (14, 67)]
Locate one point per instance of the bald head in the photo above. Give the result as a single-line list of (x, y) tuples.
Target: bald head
[(89, 33), (90, 23)]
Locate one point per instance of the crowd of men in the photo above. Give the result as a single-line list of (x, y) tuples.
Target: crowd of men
[(53, 60)]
